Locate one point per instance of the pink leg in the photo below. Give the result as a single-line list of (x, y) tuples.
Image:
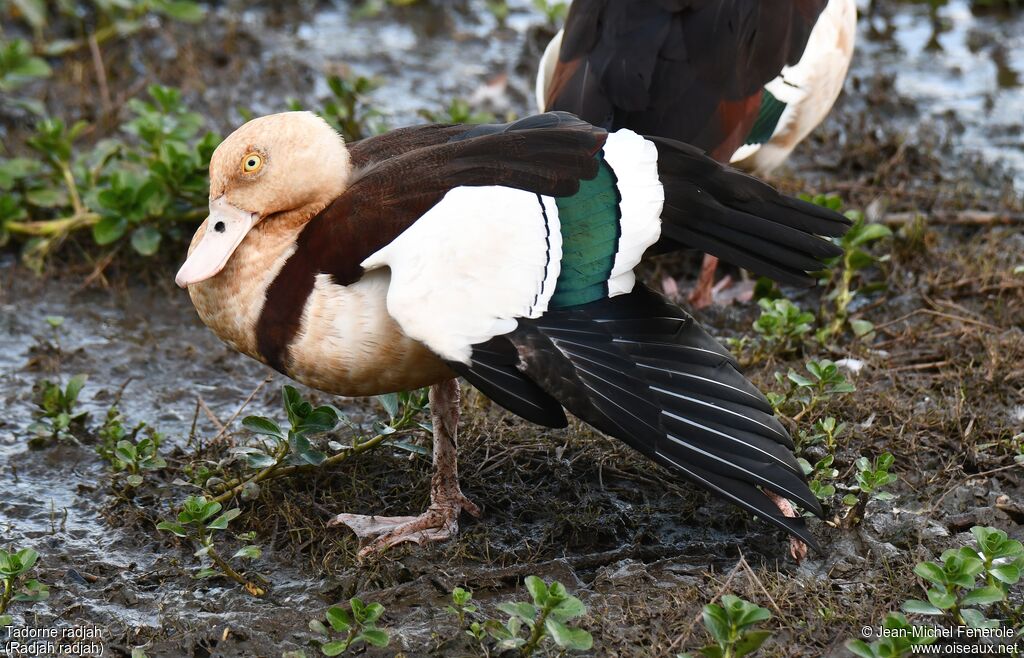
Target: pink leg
[(441, 520), (702, 294), (797, 548)]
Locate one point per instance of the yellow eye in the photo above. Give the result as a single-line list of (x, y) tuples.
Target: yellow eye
[(252, 162)]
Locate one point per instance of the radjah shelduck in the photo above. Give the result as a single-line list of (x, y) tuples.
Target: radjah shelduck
[(745, 81), (503, 254)]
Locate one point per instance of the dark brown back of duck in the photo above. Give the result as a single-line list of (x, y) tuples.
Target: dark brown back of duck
[(690, 70)]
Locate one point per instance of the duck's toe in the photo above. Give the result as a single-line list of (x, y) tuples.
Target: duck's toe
[(439, 522)]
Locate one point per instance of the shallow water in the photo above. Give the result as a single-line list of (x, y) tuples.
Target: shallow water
[(973, 68)]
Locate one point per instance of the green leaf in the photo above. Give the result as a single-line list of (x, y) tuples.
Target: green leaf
[(931, 572), (799, 379), (33, 591), (538, 590), (575, 639), (125, 451), (47, 197), (717, 622), (524, 611), (975, 619), (261, 425), (74, 387), (259, 460), (134, 480), (6, 620), (109, 230), (332, 648), (861, 328), (182, 10), (372, 613), (146, 240), (176, 528), (1007, 573), (941, 599), (221, 522), (870, 233), (390, 403), (248, 552), (339, 619), (318, 627), (26, 558), (34, 12), (860, 649), (749, 614), (375, 636), (983, 596), (750, 642), (569, 608), (301, 447)]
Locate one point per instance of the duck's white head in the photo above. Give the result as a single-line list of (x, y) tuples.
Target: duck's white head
[(278, 169)]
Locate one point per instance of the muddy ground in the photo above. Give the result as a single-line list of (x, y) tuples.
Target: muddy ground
[(919, 132)]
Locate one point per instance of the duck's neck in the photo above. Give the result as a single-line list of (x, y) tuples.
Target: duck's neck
[(230, 303)]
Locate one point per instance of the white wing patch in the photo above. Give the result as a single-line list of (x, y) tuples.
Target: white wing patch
[(634, 160), (476, 261), (546, 69), (809, 88)]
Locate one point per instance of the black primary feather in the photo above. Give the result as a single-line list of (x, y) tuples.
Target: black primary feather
[(641, 370), (743, 221)]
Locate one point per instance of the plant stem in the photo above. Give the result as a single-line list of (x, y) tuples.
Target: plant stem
[(226, 568), (537, 633), (69, 181), (53, 227), (275, 471), (5, 598), (235, 486)]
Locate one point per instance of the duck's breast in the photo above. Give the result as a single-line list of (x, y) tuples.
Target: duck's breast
[(348, 343)]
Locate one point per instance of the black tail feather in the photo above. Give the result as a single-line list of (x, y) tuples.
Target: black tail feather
[(741, 220)]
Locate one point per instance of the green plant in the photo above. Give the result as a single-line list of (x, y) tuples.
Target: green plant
[(731, 627), (139, 189), (458, 111), (899, 639), (841, 273), (169, 180), (125, 452), (870, 478), (18, 66), (196, 522), (546, 617), (100, 20), (14, 567), (291, 451), (359, 624), (461, 605), (782, 326), (498, 9), (824, 431), (56, 415), (820, 476), (554, 10), (373, 8), (1013, 445), (955, 592), (349, 109), (804, 393)]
